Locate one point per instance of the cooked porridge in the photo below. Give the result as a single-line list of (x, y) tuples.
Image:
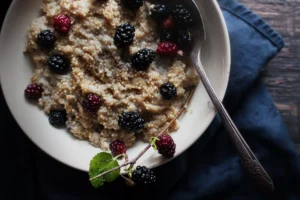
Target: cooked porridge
[(102, 84)]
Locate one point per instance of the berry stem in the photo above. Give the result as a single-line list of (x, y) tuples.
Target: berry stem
[(108, 171), (126, 157), (127, 179), (121, 155), (134, 160)]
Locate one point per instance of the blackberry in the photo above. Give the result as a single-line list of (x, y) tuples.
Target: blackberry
[(58, 118), (91, 103), (131, 121), (58, 64), (124, 35), (33, 91), (46, 39), (159, 12), (167, 35), (168, 91), (165, 145), (133, 5), (182, 16), (184, 39), (143, 175), (142, 59), (117, 147)]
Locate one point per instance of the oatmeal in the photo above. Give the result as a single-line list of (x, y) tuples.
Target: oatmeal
[(89, 78)]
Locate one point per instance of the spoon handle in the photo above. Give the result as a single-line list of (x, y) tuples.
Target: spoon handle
[(256, 171)]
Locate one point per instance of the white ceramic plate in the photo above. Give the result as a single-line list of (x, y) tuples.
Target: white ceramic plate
[(16, 70)]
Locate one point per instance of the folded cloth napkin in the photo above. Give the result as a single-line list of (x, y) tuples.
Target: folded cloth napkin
[(210, 169)]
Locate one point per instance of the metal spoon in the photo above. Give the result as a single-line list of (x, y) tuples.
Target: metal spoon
[(255, 170)]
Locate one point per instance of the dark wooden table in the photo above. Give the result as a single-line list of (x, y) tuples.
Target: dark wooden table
[(282, 74)]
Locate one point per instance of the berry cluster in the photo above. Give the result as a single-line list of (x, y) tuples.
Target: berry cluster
[(165, 145), (46, 38), (174, 35), (174, 23), (33, 91), (143, 175), (117, 147), (62, 23), (169, 17), (58, 118), (124, 35), (142, 59), (131, 121), (57, 64), (91, 103), (168, 91)]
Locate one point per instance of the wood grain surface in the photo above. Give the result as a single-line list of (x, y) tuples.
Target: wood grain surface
[(282, 74)]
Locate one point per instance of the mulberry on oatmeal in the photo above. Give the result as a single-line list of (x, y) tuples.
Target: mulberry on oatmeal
[(84, 74)]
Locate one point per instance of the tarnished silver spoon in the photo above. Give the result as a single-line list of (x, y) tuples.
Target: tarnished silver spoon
[(257, 173)]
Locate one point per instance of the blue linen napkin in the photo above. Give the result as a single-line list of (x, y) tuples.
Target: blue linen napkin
[(210, 169)]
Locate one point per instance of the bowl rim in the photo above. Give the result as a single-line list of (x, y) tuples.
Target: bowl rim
[(221, 95)]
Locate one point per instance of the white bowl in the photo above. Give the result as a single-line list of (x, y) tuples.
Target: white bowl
[(16, 70)]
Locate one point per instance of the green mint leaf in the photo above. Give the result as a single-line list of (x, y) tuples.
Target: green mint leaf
[(100, 163)]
